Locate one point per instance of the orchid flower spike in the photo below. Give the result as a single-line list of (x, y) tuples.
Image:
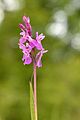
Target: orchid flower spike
[(29, 45)]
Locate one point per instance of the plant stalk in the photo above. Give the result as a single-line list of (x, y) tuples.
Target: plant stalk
[(35, 93)]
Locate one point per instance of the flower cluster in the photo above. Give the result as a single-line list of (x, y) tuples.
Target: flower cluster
[(29, 45)]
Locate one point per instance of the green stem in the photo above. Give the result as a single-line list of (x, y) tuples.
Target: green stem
[(35, 95)]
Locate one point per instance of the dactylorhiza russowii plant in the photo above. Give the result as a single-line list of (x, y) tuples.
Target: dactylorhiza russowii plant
[(33, 51)]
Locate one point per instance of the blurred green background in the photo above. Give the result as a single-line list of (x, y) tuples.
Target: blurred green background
[(58, 81)]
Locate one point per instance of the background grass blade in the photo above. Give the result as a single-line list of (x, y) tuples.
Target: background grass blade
[(32, 103)]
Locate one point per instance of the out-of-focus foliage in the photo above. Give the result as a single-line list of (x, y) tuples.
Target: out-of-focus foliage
[(58, 81)]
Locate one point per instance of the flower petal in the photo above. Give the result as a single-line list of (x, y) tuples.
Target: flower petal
[(22, 40), (27, 24), (26, 19), (22, 27), (26, 59), (38, 45), (39, 37), (38, 58)]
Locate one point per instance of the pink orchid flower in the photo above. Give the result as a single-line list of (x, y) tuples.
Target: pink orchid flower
[(28, 44)]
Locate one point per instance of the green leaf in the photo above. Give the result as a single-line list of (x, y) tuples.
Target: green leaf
[(32, 103)]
